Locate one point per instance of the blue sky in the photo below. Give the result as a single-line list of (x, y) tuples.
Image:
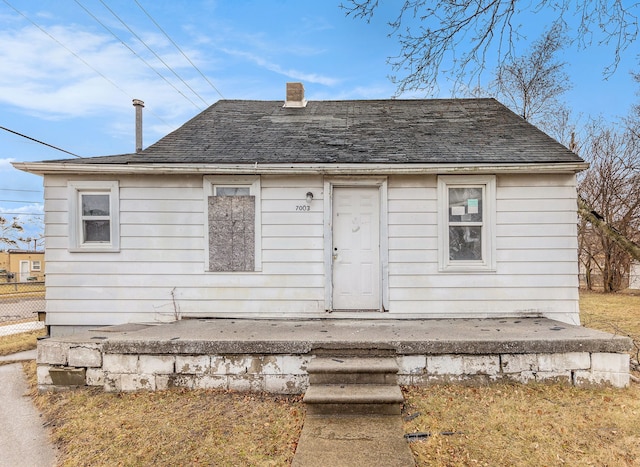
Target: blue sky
[(69, 82)]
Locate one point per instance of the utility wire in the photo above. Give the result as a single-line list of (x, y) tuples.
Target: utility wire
[(179, 49), (136, 54), (27, 191), (15, 201), (22, 213), (155, 54), (79, 58), (63, 46), (38, 141)]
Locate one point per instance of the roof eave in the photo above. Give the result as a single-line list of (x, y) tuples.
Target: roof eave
[(48, 168)]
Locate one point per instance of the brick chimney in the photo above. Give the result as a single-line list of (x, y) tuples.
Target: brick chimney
[(295, 96), (138, 104)]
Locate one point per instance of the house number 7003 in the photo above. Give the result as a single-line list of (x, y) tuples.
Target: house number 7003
[(303, 207)]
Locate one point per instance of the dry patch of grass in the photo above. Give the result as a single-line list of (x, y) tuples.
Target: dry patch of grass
[(524, 425), (611, 312), (614, 313), (500, 424), (535, 424), (175, 427), (23, 289), (20, 342)]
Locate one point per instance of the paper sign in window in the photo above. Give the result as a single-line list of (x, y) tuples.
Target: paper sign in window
[(458, 211), (472, 206)]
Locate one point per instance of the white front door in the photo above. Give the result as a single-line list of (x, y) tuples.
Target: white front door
[(356, 248), (24, 271)]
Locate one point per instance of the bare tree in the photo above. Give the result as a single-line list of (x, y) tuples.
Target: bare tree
[(530, 84), (633, 121), (609, 206), (10, 231), (470, 32)]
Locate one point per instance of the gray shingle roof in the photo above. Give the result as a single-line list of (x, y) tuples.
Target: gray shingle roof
[(375, 131)]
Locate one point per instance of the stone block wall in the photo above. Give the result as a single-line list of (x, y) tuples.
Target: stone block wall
[(286, 374), (575, 368)]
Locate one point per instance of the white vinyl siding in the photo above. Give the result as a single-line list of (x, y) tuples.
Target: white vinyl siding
[(161, 240), (535, 258), (163, 254), (163, 250)]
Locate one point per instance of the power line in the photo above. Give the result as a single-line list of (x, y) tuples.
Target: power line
[(27, 191), (22, 213), (64, 46), (38, 141), (16, 201), (78, 57), (135, 53), (178, 47), (155, 54)]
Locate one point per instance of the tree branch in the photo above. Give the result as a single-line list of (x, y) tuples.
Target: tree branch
[(598, 221)]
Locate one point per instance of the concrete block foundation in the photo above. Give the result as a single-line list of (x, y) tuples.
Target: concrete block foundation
[(272, 356)]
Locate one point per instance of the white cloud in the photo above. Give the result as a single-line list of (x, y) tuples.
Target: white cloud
[(290, 73), (5, 164), (23, 210), (42, 78)]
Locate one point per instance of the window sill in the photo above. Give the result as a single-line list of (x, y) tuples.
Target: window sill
[(258, 271), (467, 268), (94, 249)]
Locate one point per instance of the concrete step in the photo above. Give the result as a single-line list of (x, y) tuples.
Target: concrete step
[(353, 378), (349, 399), (352, 365), (349, 370)]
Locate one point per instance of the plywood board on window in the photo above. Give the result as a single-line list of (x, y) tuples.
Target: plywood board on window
[(231, 233)]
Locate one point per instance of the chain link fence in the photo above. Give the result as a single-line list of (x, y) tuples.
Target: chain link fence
[(21, 298)]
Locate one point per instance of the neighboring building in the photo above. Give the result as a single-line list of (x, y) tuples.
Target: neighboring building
[(22, 266), (369, 209), (634, 275)]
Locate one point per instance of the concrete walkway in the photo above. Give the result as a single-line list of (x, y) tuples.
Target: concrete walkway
[(21, 327), (20, 356), (353, 441), (24, 441)]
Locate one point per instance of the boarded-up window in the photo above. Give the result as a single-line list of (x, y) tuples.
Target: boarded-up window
[(231, 232)]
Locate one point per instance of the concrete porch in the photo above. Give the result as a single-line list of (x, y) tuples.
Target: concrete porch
[(273, 355)]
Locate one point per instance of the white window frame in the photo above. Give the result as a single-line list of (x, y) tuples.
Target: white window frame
[(76, 235), (210, 182), (488, 185), (36, 265)]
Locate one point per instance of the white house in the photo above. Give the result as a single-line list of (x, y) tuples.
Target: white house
[(330, 209)]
